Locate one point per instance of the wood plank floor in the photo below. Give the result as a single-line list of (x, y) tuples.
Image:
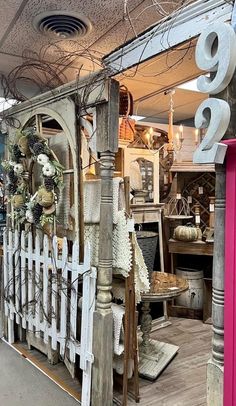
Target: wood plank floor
[(183, 383), (58, 373)]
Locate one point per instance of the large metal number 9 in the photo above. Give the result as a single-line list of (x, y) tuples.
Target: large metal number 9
[(216, 52), (214, 114)]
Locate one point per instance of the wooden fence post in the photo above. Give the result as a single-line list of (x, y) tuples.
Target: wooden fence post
[(107, 115)]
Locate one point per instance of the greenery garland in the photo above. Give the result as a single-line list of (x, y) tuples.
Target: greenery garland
[(38, 208)]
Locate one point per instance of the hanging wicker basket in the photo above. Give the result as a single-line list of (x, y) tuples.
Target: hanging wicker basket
[(127, 129), (126, 106), (127, 124)]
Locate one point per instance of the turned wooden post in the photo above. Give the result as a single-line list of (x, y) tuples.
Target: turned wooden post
[(215, 367), (229, 280), (107, 115), (218, 269), (216, 363)]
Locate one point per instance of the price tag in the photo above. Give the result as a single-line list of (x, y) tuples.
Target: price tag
[(190, 200), (212, 208), (130, 225), (200, 190), (197, 219)]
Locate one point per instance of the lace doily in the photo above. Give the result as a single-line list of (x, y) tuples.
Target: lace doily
[(122, 256), (122, 250), (141, 276), (118, 365), (92, 199), (118, 289), (118, 312)]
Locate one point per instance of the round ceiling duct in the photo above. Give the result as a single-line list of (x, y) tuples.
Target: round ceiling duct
[(62, 24)]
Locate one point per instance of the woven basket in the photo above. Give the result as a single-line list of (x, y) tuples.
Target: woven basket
[(127, 129), (126, 106), (147, 240), (127, 124)]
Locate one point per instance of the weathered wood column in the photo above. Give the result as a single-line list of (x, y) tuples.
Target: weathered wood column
[(230, 278), (216, 363), (215, 367), (107, 118)]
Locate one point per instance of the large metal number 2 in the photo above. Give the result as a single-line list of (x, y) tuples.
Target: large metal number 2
[(216, 53), (214, 114)]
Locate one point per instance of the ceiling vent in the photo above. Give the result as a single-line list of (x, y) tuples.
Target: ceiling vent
[(62, 24)]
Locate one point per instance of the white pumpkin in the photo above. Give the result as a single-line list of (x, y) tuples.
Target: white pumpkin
[(185, 233)]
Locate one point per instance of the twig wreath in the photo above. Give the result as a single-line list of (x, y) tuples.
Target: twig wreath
[(28, 207)]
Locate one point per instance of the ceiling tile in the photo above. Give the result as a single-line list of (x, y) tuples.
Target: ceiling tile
[(9, 9), (102, 14)]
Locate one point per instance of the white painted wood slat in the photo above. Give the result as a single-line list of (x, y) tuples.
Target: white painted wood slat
[(37, 286), (10, 289), (64, 291), (45, 287), (54, 293), (23, 280), (17, 274), (5, 272), (74, 300), (30, 282)]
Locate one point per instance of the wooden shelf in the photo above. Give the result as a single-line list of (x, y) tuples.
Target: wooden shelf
[(190, 248), (191, 167), (147, 212)]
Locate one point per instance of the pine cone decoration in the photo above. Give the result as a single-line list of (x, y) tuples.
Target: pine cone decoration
[(11, 176), (11, 188), (49, 183), (38, 148), (33, 139), (37, 212), (16, 153)]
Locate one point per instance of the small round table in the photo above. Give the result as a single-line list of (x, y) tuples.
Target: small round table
[(154, 355)]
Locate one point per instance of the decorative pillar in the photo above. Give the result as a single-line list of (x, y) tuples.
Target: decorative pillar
[(215, 367), (103, 320), (107, 119), (230, 277)]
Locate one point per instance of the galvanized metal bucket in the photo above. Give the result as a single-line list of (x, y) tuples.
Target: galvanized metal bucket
[(147, 241)]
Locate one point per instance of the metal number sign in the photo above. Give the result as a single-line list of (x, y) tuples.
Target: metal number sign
[(215, 53)]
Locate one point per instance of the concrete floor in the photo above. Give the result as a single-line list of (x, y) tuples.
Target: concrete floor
[(21, 384)]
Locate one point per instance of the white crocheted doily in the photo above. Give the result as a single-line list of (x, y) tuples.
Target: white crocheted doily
[(92, 200), (118, 312), (141, 276), (122, 256), (122, 250), (118, 365)]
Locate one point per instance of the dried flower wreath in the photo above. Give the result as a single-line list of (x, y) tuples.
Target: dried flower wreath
[(27, 206)]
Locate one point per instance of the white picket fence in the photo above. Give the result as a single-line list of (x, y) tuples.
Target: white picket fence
[(41, 295)]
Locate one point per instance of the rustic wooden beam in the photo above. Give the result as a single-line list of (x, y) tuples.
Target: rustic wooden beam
[(107, 116), (98, 93), (167, 33)]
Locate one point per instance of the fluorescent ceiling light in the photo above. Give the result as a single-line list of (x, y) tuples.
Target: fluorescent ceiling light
[(138, 118), (191, 85)]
